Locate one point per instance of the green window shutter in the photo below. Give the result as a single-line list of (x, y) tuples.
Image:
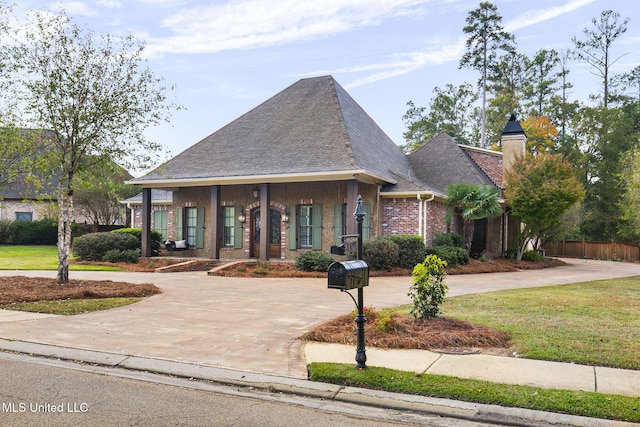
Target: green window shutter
[(316, 223), (179, 221), (292, 227), (337, 224), (200, 227), (238, 233), (366, 223)]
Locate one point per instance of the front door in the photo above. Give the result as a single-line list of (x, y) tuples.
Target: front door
[(274, 233)]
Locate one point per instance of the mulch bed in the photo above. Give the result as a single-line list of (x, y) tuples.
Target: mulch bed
[(26, 289), (408, 333)]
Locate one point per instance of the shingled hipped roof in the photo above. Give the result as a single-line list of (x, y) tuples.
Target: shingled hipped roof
[(312, 130)]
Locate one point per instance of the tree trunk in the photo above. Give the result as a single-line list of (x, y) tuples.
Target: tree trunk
[(467, 232), (65, 219)]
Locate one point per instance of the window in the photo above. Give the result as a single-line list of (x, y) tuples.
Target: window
[(228, 226), (160, 221), (340, 218), (305, 226), (24, 216), (190, 226)]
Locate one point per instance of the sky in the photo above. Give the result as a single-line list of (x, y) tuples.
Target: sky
[(226, 57)]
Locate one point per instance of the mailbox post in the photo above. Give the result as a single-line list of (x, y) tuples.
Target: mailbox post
[(354, 275)]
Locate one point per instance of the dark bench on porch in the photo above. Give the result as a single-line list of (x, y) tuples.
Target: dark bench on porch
[(173, 245)]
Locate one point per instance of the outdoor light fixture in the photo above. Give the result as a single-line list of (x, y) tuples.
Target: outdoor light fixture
[(256, 193), (285, 217), (242, 217)]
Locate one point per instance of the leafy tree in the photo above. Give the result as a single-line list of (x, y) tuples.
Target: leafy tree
[(472, 201), (630, 201), (595, 49), (539, 190), (98, 195), (96, 96), (606, 135), (543, 80), (418, 129), (486, 37), (541, 134), (450, 110), (506, 84)]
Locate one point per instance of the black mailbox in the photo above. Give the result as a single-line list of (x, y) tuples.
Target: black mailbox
[(348, 275)]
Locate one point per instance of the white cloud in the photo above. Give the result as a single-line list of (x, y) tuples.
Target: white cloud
[(532, 17), (75, 8), (247, 24)]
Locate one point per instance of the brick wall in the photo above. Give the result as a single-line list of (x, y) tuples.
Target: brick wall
[(489, 162), (402, 216)]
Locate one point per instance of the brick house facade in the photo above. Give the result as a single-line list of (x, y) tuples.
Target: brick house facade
[(306, 154)]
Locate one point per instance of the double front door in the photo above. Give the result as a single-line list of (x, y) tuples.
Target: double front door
[(273, 235)]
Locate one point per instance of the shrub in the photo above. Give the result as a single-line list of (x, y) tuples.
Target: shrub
[(449, 239), (453, 255), (40, 232), (6, 231), (121, 255), (428, 288), (411, 249), (93, 246), (313, 261), (380, 253), (533, 256), (511, 254), (156, 237)]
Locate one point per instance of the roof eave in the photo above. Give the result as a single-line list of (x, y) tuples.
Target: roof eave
[(358, 174)]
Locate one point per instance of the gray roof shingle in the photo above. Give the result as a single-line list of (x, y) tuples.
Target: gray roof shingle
[(441, 162), (313, 126)]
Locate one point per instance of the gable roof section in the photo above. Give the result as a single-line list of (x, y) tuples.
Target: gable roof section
[(441, 162), (311, 130)]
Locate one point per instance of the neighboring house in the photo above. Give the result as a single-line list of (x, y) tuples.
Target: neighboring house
[(32, 196), (19, 201), (161, 218), (284, 178)]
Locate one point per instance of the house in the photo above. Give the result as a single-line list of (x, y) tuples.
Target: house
[(31, 194), (284, 178), (161, 218)]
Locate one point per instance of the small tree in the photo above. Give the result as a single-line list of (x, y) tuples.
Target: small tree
[(474, 202), (95, 95), (539, 190), (428, 289)]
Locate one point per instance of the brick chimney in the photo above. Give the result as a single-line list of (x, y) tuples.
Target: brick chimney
[(514, 143)]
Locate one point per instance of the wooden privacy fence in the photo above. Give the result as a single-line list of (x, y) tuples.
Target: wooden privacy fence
[(611, 251)]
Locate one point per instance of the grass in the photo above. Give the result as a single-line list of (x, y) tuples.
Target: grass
[(71, 307), (39, 258), (591, 323), (588, 404)]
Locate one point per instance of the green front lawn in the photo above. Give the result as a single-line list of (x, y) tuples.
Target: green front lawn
[(592, 323), (39, 258)]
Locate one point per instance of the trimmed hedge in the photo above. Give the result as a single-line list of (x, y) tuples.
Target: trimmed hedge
[(453, 255), (313, 261), (411, 249), (449, 239), (380, 253), (156, 238), (39, 232), (117, 255), (93, 246)]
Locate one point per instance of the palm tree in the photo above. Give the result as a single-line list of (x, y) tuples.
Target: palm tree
[(473, 201)]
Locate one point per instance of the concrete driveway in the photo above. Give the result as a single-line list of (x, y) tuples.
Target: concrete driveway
[(246, 324)]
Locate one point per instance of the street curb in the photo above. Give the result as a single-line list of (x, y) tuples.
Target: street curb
[(277, 384)]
